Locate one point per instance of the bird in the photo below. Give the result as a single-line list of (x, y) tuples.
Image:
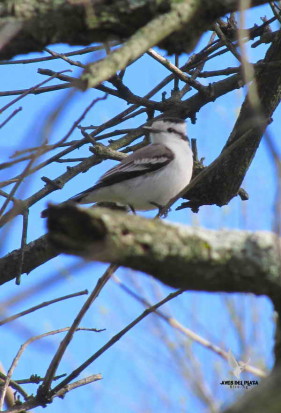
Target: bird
[(151, 176)]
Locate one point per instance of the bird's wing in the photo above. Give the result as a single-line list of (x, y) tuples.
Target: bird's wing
[(144, 160)]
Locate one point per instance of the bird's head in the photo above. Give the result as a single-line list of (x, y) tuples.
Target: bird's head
[(167, 129)]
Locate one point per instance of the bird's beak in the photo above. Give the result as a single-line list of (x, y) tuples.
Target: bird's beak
[(151, 129)]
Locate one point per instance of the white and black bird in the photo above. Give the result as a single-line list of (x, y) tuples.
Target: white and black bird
[(151, 176)]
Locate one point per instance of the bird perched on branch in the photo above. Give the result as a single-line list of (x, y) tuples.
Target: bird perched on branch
[(151, 176)]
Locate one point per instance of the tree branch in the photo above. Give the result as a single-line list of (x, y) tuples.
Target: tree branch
[(182, 257), (220, 184), (36, 253), (37, 24)]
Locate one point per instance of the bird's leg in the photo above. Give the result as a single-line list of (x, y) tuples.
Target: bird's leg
[(160, 209), (132, 209)]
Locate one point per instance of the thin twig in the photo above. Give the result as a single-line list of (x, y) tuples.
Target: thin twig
[(30, 91), (46, 58), (5, 195), (174, 69), (17, 184), (34, 378), (23, 243), (107, 153), (75, 81), (12, 163), (227, 42), (64, 57), (34, 148), (67, 160), (10, 117), (176, 80), (79, 383), (37, 91), (42, 305)]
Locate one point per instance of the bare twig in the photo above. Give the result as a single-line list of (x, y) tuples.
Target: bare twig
[(49, 147), (34, 378), (36, 91), (227, 42), (177, 72), (79, 383), (64, 57), (67, 160), (23, 243), (25, 93), (10, 117), (46, 58), (11, 163), (42, 305), (73, 80), (5, 195)]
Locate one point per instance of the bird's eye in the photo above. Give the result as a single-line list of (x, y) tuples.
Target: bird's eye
[(171, 130)]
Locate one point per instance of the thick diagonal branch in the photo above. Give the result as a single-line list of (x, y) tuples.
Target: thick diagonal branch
[(222, 182), (182, 257)]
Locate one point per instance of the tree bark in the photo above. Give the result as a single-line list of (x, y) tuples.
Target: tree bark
[(30, 25), (182, 257), (36, 253), (219, 184)]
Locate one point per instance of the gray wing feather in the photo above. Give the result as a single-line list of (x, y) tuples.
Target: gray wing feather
[(144, 160)]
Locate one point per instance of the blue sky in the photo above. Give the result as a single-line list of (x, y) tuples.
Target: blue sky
[(149, 368)]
